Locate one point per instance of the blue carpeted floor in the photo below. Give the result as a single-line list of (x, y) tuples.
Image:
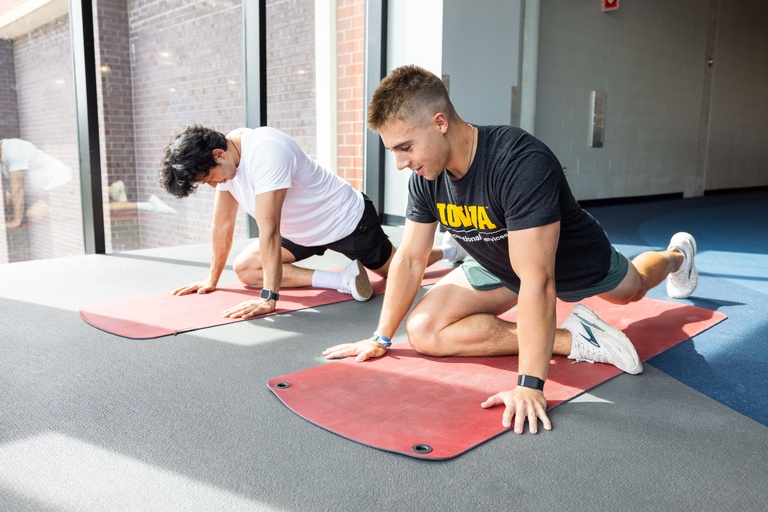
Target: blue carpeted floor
[(727, 363)]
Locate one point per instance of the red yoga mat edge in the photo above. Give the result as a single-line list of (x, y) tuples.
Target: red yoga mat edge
[(158, 315), (344, 397)]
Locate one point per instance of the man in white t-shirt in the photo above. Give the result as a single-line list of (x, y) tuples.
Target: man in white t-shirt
[(30, 174), (301, 210)]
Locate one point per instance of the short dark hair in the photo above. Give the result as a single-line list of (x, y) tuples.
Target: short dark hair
[(188, 158), (408, 93)]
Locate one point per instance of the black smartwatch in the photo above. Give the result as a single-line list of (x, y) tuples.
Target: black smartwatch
[(268, 294), (530, 382)]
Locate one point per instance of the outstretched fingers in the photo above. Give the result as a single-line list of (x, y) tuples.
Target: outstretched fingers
[(200, 287), (363, 350), (521, 404), (249, 309)]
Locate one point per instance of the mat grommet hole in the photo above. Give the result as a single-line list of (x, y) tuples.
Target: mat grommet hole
[(421, 449), (283, 385)]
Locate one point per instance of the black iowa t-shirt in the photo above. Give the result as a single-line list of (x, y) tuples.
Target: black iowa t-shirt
[(515, 182)]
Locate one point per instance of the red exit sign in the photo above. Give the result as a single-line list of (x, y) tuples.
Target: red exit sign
[(610, 5)]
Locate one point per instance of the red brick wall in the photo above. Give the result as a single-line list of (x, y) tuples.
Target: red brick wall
[(186, 68), (9, 127), (350, 20), (115, 99), (9, 112), (291, 70), (116, 96)]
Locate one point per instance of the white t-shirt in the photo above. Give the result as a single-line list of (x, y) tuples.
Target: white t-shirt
[(319, 207), (42, 171)]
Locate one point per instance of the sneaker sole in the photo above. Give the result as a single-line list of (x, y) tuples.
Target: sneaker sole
[(693, 272), (363, 289)]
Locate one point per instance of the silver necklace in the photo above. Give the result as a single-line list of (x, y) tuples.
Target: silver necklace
[(472, 147)]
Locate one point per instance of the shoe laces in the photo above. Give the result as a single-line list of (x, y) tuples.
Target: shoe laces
[(589, 354), (682, 276)]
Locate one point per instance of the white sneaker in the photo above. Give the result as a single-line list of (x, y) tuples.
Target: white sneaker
[(597, 342), (117, 192), (354, 280), (461, 254), (681, 284), (160, 206)]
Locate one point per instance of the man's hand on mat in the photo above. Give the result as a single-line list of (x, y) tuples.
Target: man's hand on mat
[(521, 403), (199, 287), (364, 349), (250, 308)]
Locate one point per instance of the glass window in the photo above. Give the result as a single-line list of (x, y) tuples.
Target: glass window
[(164, 69), (315, 68), (162, 66), (40, 178)]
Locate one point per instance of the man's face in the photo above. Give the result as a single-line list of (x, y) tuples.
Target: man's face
[(224, 171), (422, 148)]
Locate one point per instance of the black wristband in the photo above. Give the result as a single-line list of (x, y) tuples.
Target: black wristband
[(530, 382), (268, 294)]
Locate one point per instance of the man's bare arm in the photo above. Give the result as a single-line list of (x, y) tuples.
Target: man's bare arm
[(403, 282)]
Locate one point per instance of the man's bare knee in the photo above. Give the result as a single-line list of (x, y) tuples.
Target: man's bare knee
[(247, 273), (423, 335)]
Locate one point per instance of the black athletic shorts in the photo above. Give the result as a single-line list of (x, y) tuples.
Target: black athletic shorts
[(367, 243)]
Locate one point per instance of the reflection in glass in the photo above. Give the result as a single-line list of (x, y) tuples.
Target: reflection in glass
[(40, 185), (163, 66)]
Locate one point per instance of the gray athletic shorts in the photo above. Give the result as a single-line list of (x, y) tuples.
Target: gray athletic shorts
[(482, 279)]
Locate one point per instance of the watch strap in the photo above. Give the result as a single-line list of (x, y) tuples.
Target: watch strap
[(382, 340), (527, 381), (268, 294)]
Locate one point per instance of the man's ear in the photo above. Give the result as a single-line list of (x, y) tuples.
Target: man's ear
[(219, 154), (440, 121)]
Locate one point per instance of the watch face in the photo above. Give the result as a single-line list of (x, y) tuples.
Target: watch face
[(268, 294), (378, 339)]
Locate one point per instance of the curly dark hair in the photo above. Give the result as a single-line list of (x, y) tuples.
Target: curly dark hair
[(188, 158)]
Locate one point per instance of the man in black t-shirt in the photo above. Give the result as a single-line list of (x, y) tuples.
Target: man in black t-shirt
[(503, 196)]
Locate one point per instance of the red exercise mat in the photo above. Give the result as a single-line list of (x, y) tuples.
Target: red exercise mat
[(429, 408), (164, 314)]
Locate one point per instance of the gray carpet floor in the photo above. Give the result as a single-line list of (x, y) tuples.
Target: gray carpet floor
[(94, 422)]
